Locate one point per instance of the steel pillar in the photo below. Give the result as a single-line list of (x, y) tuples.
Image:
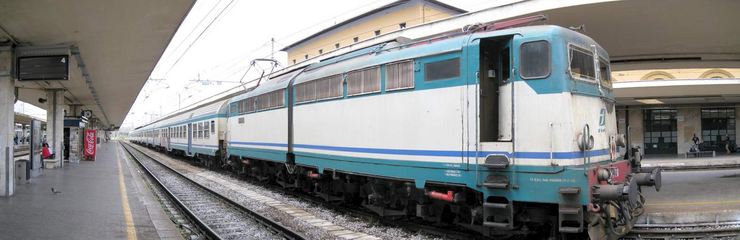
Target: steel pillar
[(7, 120)]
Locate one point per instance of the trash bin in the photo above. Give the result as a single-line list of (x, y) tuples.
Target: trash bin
[(20, 171)]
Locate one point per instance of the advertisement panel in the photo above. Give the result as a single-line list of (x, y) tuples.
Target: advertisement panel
[(90, 144)]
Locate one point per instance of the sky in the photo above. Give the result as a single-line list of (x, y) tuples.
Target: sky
[(219, 38)]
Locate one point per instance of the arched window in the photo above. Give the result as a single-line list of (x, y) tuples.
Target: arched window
[(658, 75), (716, 73)]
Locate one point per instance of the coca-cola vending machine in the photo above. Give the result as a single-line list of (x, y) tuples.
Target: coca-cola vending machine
[(90, 144)]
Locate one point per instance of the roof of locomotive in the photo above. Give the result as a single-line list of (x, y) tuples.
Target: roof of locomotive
[(394, 51)]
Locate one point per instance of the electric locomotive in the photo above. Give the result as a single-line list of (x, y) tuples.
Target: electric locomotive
[(506, 131)]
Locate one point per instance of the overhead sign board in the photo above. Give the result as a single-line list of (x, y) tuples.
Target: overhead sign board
[(34, 68)]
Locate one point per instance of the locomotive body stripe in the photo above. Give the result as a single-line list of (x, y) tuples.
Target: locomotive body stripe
[(434, 153)]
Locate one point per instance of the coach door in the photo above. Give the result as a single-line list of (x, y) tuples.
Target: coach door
[(167, 138), (190, 139), (494, 98)]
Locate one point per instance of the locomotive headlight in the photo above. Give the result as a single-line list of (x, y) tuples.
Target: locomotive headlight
[(603, 174)]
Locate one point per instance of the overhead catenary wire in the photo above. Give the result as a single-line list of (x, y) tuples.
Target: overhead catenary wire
[(196, 26), (198, 37), (278, 43)]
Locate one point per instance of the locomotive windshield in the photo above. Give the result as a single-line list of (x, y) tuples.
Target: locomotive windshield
[(605, 73), (583, 67)]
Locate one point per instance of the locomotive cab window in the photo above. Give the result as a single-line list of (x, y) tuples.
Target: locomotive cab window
[(581, 64), (605, 75), (535, 59)]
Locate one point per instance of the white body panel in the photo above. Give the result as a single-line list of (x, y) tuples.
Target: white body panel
[(268, 126), (408, 120)]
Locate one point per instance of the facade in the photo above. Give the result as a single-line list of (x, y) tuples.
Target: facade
[(391, 17), (666, 108)]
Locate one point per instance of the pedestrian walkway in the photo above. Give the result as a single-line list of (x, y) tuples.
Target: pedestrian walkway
[(104, 199), (679, 162)]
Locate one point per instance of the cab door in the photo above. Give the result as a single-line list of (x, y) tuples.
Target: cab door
[(491, 115)]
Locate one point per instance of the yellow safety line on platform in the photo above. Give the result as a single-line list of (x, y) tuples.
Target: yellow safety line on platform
[(130, 228), (692, 203)]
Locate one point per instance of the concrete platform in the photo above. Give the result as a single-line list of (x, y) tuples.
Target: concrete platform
[(105, 199), (695, 196), (676, 162)]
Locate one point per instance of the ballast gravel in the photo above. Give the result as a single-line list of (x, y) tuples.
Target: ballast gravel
[(317, 223)]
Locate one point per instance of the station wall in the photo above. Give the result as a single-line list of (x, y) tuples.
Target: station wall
[(688, 122)]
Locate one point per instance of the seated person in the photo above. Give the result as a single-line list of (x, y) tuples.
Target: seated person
[(46, 152)]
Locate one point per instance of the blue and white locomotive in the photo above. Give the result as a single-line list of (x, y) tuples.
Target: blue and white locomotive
[(497, 131)]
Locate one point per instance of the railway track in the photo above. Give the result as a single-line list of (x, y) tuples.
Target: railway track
[(686, 231), (432, 230), (216, 216)]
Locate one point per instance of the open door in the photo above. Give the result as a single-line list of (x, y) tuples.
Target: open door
[(492, 61)]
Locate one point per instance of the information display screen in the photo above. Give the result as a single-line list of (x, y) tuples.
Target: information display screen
[(43, 68)]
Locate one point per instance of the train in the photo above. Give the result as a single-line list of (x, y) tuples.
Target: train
[(496, 131)]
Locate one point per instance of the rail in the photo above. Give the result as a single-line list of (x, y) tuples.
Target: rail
[(208, 231), (726, 230)]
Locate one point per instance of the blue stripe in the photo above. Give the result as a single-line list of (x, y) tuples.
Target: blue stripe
[(434, 153), (201, 145)]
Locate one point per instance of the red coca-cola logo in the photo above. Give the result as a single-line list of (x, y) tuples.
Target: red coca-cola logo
[(90, 142)]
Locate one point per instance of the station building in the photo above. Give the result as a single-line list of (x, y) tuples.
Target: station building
[(666, 108), (664, 96), (388, 18)]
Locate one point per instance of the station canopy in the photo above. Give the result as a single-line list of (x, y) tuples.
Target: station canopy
[(113, 47)]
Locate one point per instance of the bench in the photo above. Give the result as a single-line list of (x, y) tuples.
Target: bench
[(50, 163), (700, 154)]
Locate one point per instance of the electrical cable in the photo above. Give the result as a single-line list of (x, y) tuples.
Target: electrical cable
[(198, 37)]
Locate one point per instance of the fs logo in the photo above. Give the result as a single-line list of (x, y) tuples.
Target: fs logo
[(602, 121)]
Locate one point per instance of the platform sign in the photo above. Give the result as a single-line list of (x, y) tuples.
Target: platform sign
[(90, 144), (43, 68)]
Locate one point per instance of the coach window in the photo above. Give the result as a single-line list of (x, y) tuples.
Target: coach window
[(535, 59), (363, 81), (399, 75), (233, 108), (200, 130), (581, 64), (440, 70), (213, 127), (206, 130)]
